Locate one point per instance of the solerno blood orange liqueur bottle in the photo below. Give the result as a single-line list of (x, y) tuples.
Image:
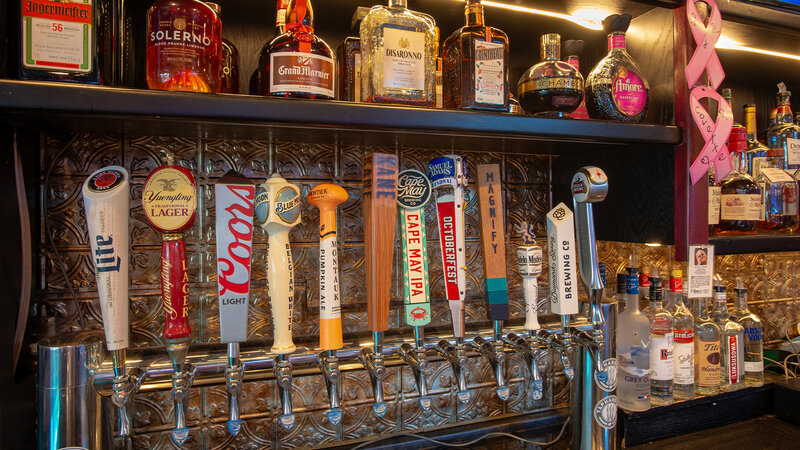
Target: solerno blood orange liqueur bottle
[(184, 46)]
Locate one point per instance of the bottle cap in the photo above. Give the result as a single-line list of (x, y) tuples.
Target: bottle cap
[(737, 142), (739, 287), (573, 48), (616, 23), (622, 279), (551, 47)]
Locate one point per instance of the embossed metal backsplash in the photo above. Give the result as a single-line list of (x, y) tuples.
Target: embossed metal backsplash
[(526, 184)]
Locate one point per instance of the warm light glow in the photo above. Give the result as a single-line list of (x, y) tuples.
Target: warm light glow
[(725, 43), (589, 21), (652, 244)]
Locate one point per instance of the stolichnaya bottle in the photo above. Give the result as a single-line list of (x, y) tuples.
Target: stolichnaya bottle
[(184, 46), (551, 88), (229, 65), (297, 63), (633, 351), (475, 72), (683, 330), (574, 50), (398, 56), (616, 88), (753, 337), (731, 341)]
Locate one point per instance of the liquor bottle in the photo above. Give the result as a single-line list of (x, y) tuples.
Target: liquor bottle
[(662, 371), (740, 195), (229, 65), (622, 292), (706, 350), (731, 339), (728, 96), (574, 50), (714, 201), (785, 134), (753, 337), (616, 88), (298, 63), (184, 46), (551, 88), (683, 329), (633, 351), (644, 289), (756, 151), (398, 56), (780, 194), (59, 41), (476, 64), (439, 72), (280, 28)]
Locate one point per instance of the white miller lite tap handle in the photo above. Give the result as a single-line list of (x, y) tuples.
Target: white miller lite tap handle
[(529, 261), (106, 199), (448, 175), (278, 210)]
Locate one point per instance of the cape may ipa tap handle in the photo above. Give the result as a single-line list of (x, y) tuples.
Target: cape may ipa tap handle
[(278, 210), (490, 197), (169, 202), (380, 213), (413, 193), (529, 262), (327, 197), (448, 175)]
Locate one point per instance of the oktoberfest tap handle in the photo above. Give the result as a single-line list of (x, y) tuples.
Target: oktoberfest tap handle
[(448, 175), (490, 198), (529, 261), (413, 193), (278, 210), (380, 212), (327, 197)]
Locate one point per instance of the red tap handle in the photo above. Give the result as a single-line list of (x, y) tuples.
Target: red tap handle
[(175, 287)]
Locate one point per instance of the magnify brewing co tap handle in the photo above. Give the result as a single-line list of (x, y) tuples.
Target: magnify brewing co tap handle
[(490, 197)]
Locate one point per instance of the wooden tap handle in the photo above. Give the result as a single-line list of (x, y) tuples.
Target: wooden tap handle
[(380, 212), (490, 198)]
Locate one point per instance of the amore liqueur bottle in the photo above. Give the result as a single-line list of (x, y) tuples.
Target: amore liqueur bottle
[(398, 56), (574, 50), (616, 88), (184, 46), (476, 64), (551, 88), (59, 40), (298, 63), (229, 65)]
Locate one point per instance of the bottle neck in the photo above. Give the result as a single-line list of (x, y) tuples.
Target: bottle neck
[(741, 300), (632, 302), (398, 4), (750, 123), (280, 17), (474, 13), (574, 61), (616, 41), (784, 114), (702, 308), (720, 302), (299, 12), (739, 162)]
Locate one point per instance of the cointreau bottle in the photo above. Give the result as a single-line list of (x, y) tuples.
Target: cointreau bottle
[(59, 40), (184, 46), (298, 63), (573, 50), (552, 87), (475, 73), (398, 56)]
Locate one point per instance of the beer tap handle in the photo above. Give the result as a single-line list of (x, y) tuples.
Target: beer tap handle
[(413, 193)]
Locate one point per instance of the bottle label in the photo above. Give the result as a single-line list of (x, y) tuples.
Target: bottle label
[(616, 41), (754, 366), (708, 364), (557, 83), (756, 165), (792, 151), (301, 72), (403, 59), (489, 72), (58, 35), (661, 354), (714, 202), (169, 198), (762, 214), (683, 360), (676, 286), (740, 206), (357, 76), (789, 204), (752, 334), (629, 92), (734, 362)]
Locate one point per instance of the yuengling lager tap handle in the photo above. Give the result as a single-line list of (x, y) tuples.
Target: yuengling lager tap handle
[(169, 201), (235, 206)]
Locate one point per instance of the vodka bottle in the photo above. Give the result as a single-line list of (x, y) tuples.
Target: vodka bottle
[(622, 292), (644, 289), (662, 371), (633, 352), (753, 340), (731, 340), (706, 349), (683, 329)]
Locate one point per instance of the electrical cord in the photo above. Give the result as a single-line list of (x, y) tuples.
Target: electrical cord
[(469, 443), (50, 240)]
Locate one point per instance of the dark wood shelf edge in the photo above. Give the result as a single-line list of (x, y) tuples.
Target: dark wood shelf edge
[(732, 245), (761, 15)]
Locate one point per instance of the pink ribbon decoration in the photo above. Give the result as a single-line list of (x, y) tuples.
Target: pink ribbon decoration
[(714, 133), (706, 37)]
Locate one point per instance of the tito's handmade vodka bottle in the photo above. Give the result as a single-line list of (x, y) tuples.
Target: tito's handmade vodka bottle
[(706, 349), (633, 352)]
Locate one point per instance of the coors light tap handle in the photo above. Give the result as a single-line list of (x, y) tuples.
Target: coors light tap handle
[(169, 201), (234, 205)]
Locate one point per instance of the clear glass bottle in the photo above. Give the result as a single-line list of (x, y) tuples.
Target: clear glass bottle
[(740, 195), (633, 351), (574, 49), (785, 134), (753, 337), (706, 350), (683, 329), (475, 64), (622, 292), (731, 341), (616, 88), (780, 194), (184, 46), (714, 201), (551, 88), (229, 65), (644, 289), (398, 56), (298, 63), (756, 151), (662, 370)]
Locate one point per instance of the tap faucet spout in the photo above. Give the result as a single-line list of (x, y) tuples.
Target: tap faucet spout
[(457, 357), (283, 375), (415, 358), (328, 364)]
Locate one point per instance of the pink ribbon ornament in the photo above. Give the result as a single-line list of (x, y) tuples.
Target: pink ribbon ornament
[(714, 133), (705, 56)]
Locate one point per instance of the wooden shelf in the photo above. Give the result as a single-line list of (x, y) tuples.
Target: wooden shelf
[(60, 106), (767, 243)]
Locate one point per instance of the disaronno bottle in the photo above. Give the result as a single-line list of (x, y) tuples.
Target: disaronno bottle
[(59, 40), (184, 46), (398, 56), (298, 63)]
